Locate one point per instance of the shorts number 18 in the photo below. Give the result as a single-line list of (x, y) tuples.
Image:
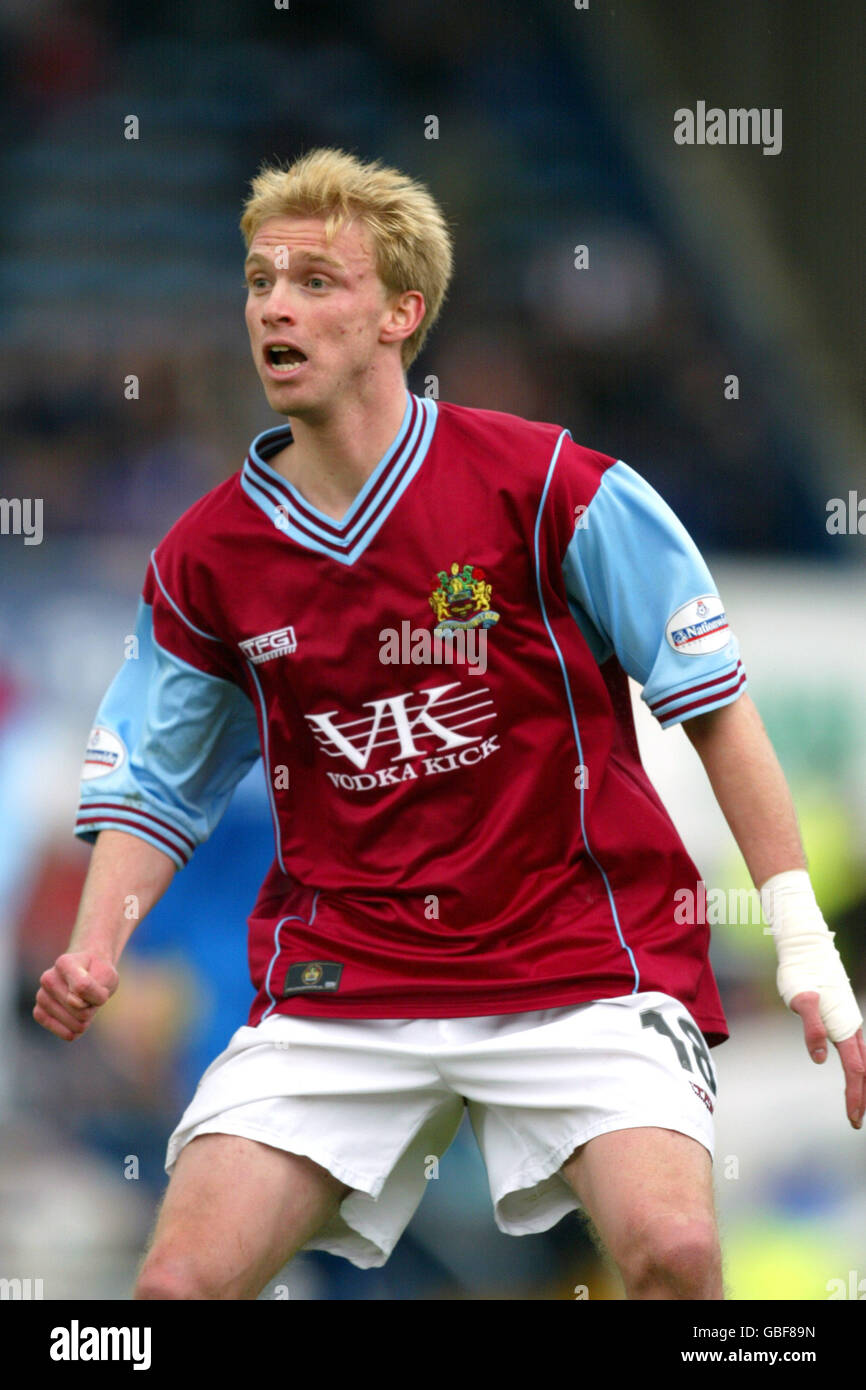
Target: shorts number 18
[(651, 1018)]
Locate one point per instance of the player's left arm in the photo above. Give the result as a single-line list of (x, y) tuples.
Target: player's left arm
[(753, 794), (639, 588)]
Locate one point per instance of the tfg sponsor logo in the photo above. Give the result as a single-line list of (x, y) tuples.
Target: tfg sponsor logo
[(269, 645)]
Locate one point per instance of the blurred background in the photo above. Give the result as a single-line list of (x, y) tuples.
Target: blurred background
[(714, 341)]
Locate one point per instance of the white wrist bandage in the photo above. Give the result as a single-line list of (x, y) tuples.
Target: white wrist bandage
[(808, 960)]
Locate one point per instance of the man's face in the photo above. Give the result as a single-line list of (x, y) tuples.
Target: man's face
[(324, 304)]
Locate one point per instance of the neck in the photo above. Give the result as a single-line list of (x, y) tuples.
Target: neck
[(331, 458)]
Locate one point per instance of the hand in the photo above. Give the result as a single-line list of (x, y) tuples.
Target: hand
[(852, 1053), (71, 991)]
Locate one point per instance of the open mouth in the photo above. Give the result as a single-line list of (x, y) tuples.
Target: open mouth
[(284, 360)]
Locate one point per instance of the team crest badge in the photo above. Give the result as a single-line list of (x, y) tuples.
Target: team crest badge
[(461, 599)]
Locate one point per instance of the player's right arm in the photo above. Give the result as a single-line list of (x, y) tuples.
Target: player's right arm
[(174, 734), (125, 872)]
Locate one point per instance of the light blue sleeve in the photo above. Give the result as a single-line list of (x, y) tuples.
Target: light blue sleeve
[(169, 745), (639, 588)]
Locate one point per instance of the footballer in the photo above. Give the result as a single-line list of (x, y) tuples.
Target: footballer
[(471, 902)]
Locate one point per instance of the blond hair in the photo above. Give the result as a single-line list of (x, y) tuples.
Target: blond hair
[(412, 240)]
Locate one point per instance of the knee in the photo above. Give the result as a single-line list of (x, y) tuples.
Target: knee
[(674, 1257)]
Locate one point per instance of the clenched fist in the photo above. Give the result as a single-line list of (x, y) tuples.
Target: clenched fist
[(71, 991)]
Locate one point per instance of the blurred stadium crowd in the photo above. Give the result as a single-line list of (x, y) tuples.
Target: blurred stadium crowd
[(121, 258), (134, 242)]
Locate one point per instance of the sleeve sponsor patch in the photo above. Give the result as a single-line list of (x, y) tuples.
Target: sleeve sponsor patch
[(699, 626), (105, 753)]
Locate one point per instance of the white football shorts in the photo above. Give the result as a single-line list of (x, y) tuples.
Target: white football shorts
[(372, 1100)]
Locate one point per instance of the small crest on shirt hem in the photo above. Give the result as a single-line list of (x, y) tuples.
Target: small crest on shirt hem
[(307, 975)]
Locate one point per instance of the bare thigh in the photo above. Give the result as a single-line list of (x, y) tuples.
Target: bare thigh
[(648, 1191), (234, 1212)]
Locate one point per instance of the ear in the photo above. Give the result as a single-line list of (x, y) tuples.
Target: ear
[(403, 313)]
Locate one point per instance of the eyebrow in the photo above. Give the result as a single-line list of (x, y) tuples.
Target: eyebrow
[(321, 256)]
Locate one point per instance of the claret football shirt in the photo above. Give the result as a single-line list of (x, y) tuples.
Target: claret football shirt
[(437, 685)]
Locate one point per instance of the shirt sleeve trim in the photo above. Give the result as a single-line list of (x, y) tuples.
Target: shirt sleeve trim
[(123, 809), (703, 706), (86, 827), (656, 705)]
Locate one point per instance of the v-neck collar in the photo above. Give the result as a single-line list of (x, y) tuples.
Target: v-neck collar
[(346, 539)]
